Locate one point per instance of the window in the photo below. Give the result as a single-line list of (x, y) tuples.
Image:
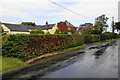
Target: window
[(68, 28)]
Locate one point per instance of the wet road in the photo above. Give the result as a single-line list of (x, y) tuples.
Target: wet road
[(94, 61), (90, 66)]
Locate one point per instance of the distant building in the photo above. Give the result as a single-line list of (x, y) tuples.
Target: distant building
[(26, 29), (66, 27), (119, 11), (86, 25), (49, 28), (14, 28)]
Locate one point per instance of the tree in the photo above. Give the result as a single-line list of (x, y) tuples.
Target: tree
[(87, 30), (101, 22), (96, 31), (28, 23), (117, 25)]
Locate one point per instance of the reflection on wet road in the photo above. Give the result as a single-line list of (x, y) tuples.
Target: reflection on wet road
[(88, 66)]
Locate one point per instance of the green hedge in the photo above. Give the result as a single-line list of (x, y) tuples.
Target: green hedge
[(37, 32), (108, 35), (89, 38), (118, 35), (25, 46)]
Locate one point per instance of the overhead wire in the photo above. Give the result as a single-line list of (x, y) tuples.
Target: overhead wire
[(70, 10)]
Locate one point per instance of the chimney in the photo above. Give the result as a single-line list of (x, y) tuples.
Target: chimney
[(46, 23)]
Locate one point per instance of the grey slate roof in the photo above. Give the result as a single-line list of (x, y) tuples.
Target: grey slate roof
[(85, 25), (24, 28), (16, 27), (46, 27)]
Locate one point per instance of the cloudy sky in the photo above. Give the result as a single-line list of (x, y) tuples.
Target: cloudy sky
[(40, 11)]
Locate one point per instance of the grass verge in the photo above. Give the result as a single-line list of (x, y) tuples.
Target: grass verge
[(10, 63), (97, 43), (112, 40)]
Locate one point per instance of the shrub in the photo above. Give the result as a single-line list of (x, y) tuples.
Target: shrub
[(96, 31), (37, 32), (57, 32), (118, 35), (108, 35), (64, 32), (89, 38)]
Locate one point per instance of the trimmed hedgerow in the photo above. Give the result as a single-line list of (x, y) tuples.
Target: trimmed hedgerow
[(108, 35), (25, 46), (89, 38)]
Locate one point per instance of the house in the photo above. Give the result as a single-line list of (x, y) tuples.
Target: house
[(48, 28), (66, 27), (14, 28), (86, 25), (26, 29)]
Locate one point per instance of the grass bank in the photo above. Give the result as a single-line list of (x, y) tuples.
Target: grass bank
[(111, 40), (97, 43), (9, 63)]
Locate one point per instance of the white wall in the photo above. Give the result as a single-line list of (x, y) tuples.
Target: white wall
[(5, 29), (15, 32), (53, 30)]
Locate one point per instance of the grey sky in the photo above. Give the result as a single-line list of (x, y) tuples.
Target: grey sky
[(39, 11)]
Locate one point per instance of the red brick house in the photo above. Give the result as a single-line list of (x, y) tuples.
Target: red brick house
[(66, 26)]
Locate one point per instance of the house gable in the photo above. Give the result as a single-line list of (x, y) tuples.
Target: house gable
[(65, 26), (5, 29), (53, 30)]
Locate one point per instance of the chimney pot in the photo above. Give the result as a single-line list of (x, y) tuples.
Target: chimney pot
[(46, 23)]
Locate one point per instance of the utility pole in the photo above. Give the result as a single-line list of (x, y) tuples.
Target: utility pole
[(113, 25), (119, 11)]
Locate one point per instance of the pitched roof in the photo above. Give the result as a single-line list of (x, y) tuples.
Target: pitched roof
[(24, 28), (68, 23), (85, 25), (19, 27), (46, 27)]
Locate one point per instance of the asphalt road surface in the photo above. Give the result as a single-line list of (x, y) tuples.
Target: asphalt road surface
[(91, 66)]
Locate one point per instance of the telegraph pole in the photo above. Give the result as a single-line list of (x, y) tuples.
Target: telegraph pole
[(113, 25), (119, 11)]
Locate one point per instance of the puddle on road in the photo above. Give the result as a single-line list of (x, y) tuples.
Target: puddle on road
[(103, 49), (100, 52)]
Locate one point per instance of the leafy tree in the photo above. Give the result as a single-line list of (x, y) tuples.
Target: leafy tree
[(96, 31), (87, 30), (28, 23), (117, 24), (101, 22)]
